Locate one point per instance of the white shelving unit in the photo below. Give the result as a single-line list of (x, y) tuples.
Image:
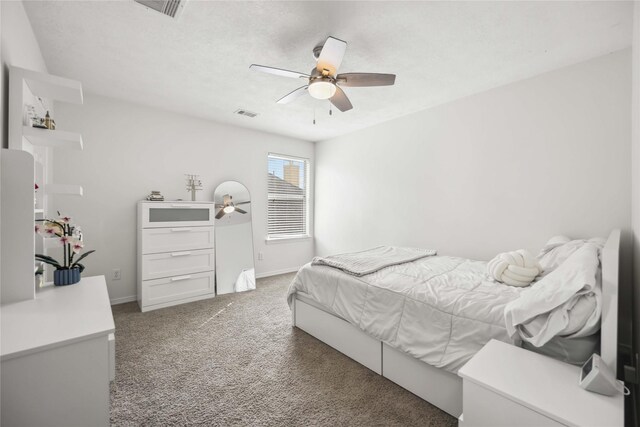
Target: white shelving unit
[(52, 138), (26, 86), (29, 87), (73, 190), (17, 243)]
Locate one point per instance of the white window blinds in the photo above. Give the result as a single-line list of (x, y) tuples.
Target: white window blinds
[(288, 201)]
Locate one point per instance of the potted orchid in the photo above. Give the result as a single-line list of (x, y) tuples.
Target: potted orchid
[(69, 270)]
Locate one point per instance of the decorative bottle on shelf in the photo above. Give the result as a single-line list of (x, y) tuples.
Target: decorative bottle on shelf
[(47, 120)]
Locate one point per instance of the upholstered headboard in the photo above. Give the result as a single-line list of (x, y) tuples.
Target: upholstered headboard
[(610, 281)]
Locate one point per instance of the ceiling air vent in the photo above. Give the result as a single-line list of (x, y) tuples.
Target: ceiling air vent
[(170, 8), (246, 113)]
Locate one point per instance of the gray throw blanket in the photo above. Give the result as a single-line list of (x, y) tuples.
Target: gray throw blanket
[(372, 260)]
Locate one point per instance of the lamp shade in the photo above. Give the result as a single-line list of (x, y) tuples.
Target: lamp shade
[(322, 89)]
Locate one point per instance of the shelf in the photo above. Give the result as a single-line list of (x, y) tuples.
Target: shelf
[(50, 87), (73, 190), (38, 211), (52, 138)]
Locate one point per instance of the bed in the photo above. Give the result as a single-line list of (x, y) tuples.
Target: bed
[(418, 322)]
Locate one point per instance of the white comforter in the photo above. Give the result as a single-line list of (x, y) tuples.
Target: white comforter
[(566, 302), (441, 310)]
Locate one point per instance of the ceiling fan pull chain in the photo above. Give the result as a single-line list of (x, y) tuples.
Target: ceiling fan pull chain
[(330, 111), (314, 115)]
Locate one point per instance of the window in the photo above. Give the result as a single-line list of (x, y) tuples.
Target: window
[(288, 197)]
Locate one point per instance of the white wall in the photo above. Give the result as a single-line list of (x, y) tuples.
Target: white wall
[(636, 185), (500, 170), (130, 150), (18, 47), (4, 88)]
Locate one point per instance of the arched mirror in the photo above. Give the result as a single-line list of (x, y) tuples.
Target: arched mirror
[(234, 239)]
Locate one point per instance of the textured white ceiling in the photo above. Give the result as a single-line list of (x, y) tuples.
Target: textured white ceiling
[(199, 63)]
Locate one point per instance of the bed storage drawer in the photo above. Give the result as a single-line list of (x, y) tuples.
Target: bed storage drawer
[(156, 266), (171, 239), (171, 289), (339, 334), (440, 387)]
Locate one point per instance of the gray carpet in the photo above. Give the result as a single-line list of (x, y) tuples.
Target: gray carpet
[(236, 360)]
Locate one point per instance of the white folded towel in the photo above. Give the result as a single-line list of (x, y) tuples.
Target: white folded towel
[(516, 268)]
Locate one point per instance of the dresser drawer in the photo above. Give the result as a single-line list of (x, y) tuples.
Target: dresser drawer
[(171, 289), (156, 240), (176, 214), (156, 266)]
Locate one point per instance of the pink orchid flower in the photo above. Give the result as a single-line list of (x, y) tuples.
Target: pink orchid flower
[(65, 240), (38, 228), (50, 231), (77, 246), (65, 219)]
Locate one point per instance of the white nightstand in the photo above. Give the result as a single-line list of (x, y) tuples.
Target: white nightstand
[(504, 385)]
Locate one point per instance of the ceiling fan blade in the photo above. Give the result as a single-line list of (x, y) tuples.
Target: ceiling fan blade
[(293, 95), (365, 79), (241, 211), (220, 214), (340, 100), (331, 55), (278, 71), (243, 203)]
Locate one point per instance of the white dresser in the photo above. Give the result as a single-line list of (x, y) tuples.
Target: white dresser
[(58, 356), (504, 385), (176, 260)]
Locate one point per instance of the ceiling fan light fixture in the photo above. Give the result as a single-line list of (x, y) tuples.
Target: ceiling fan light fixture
[(322, 89), (229, 209)]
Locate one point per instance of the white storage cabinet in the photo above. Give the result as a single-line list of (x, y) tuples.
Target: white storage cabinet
[(507, 386), (176, 261), (57, 357)]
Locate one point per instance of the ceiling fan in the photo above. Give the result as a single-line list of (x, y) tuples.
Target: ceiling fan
[(324, 82), (228, 206)]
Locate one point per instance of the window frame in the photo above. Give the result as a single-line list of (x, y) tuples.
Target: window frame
[(275, 238)]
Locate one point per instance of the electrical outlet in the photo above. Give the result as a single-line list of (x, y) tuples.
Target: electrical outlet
[(260, 256), (116, 275)]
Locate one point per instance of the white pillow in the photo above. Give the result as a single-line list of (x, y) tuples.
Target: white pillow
[(558, 249), (552, 243), (555, 295)]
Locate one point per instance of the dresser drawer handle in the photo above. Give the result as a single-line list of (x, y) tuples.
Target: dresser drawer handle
[(180, 253), (178, 278), (180, 230)]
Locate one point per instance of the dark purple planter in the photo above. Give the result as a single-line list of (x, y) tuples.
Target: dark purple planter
[(65, 277)]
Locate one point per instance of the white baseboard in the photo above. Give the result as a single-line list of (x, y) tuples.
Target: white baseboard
[(122, 300), (276, 272)]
